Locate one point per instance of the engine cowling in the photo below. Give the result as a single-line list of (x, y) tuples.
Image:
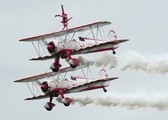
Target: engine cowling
[(51, 47), (48, 86), (44, 87)]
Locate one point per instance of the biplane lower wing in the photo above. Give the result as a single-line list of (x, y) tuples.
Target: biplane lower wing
[(80, 88), (100, 47), (90, 85), (50, 74), (96, 48), (38, 97), (47, 57)]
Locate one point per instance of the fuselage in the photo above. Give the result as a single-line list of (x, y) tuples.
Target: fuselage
[(65, 49), (74, 45), (78, 83)]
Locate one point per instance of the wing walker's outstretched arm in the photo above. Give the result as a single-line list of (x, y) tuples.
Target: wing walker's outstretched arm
[(64, 18)]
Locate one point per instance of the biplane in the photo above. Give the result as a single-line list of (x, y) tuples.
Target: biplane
[(53, 85), (89, 38)]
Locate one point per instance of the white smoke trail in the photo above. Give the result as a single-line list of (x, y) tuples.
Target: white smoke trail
[(103, 60), (151, 64), (132, 60), (106, 59), (129, 101)]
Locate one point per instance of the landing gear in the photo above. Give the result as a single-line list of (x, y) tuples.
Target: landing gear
[(49, 109), (66, 104), (49, 105), (55, 66), (65, 100), (73, 62), (73, 66), (55, 69), (104, 89), (114, 52)]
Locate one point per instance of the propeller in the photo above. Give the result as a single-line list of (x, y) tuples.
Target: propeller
[(51, 47), (44, 86), (38, 82)]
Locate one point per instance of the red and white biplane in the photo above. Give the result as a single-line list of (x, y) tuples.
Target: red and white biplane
[(56, 84), (83, 39)]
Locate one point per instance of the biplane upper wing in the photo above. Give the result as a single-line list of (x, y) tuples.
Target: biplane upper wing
[(96, 48), (64, 32), (50, 74), (75, 89)]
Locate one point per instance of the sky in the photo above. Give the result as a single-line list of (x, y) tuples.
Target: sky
[(142, 62)]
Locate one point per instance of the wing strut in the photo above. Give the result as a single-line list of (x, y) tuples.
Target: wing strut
[(33, 85), (64, 76), (73, 36), (90, 72), (84, 74), (29, 88), (35, 49), (93, 35)]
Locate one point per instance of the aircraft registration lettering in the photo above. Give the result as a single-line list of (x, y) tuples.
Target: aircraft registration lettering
[(88, 45), (83, 45), (77, 45), (81, 83), (75, 84)]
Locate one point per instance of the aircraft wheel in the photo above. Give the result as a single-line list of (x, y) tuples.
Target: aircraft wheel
[(114, 52), (104, 89), (66, 104), (49, 109), (55, 69), (73, 66)]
